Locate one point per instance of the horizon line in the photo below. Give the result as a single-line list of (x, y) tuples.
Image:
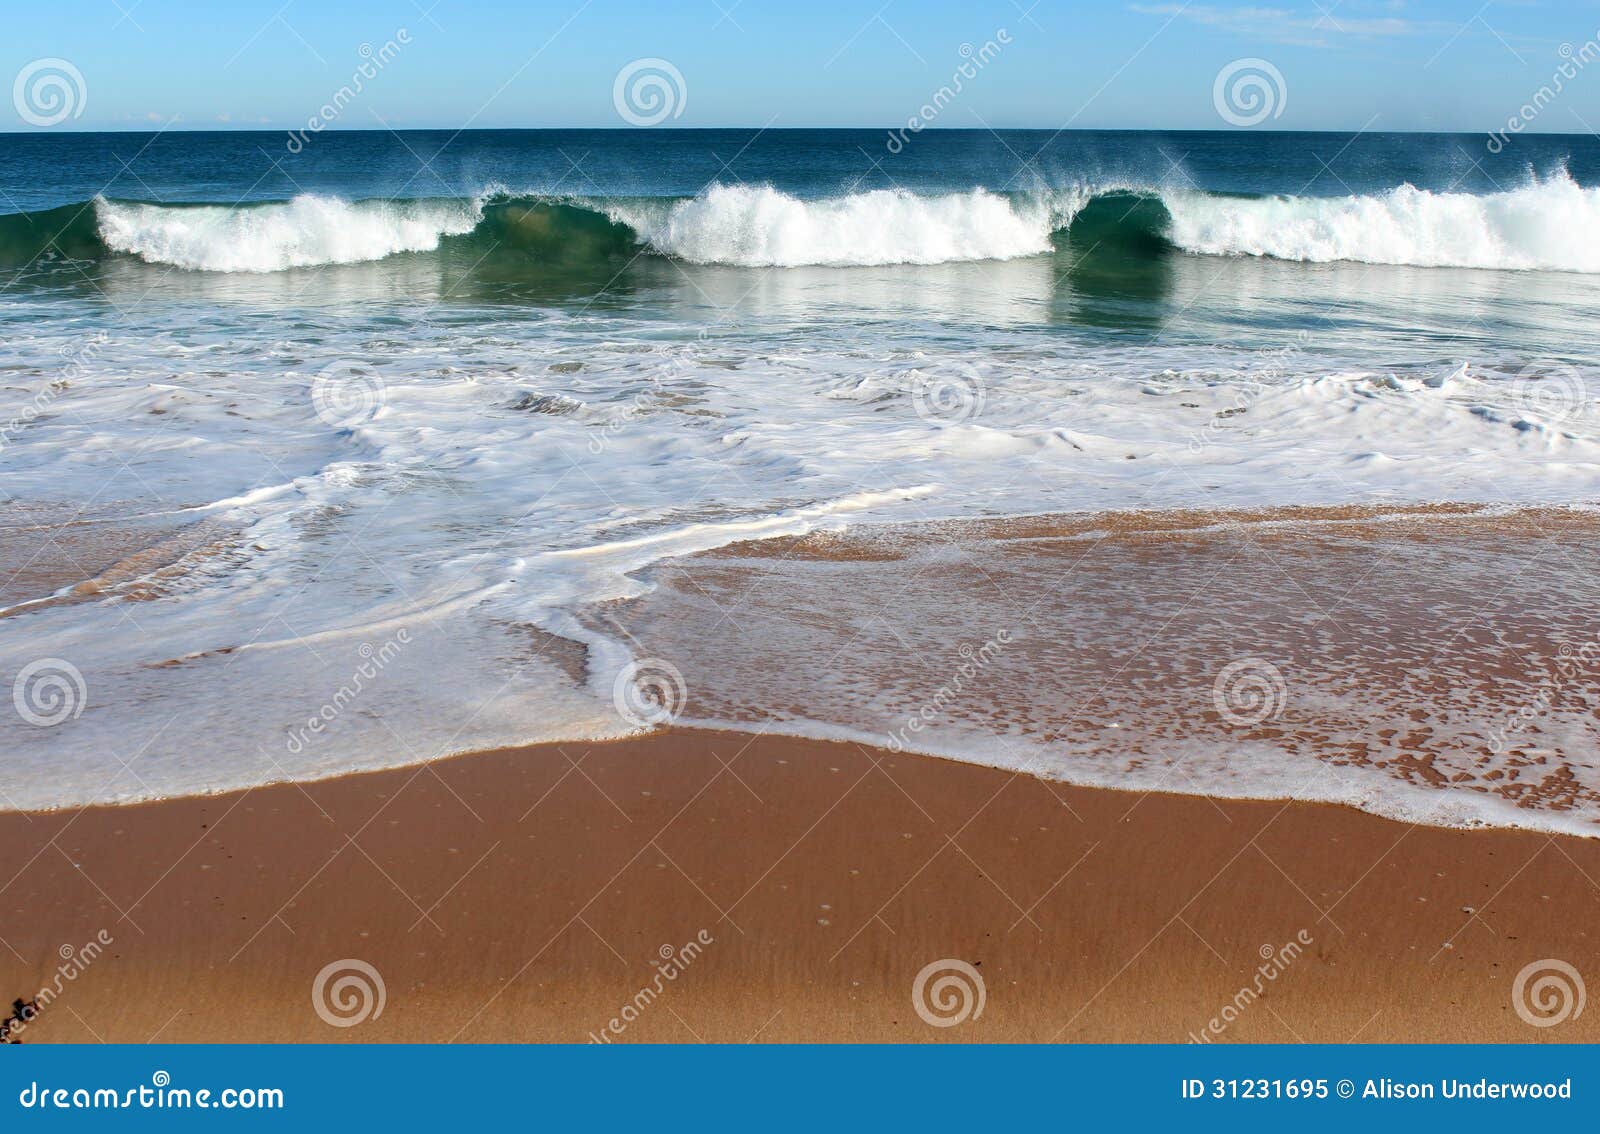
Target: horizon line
[(621, 129)]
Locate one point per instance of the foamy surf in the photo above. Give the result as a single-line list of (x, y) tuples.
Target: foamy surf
[(1552, 224), (307, 231), (1548, 224), (476, 541), (761, 227)]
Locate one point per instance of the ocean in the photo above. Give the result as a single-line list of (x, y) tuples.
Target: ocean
[(382, 433)]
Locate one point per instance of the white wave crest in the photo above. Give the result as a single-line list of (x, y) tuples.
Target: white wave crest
[(758, 226), (303, 232), (1551, 224)]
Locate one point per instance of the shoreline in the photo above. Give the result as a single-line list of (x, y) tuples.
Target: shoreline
[(533, 894), (1113, 583), (824, 738)]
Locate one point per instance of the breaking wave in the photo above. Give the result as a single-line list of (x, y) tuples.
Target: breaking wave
[(305, 232), (761, 227), (1547, 224), (1553, 224)]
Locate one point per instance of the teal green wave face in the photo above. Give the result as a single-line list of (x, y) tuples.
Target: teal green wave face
[(67, 233), (549, 233), (1124, 222)]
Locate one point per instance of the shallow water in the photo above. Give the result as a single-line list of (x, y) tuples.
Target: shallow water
[(1431, 668), (467, 401)]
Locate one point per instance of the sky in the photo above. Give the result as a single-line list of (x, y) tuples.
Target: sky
[(1330, 64)]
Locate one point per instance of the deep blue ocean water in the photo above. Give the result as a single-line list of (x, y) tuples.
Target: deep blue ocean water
[(44, 170)]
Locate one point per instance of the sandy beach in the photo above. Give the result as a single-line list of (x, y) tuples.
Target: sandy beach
[(792, 890)]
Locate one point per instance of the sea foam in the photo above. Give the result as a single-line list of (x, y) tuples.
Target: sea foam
[(304, 232), (1550, 224), (761, 227)]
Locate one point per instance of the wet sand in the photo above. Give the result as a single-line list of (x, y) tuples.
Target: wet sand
[(793, 890), (1367, 656)]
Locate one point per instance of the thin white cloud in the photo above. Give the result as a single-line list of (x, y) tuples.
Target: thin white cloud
[(1317, 28)]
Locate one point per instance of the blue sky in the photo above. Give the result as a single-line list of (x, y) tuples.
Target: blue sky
[(1345, 64)]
